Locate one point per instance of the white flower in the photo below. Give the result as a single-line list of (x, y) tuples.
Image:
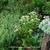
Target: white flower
[(31, 19), (15, 26), (46, 17), (26, 16), (23, 17), (24, 23), (30, 30), (32, 12), (16, 30)]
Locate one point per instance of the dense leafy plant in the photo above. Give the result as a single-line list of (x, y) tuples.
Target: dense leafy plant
[(46, 8), (27, 24), (13, 29), (9, 5), (16, 30), (45, 26), (38, 5), (7, 22)]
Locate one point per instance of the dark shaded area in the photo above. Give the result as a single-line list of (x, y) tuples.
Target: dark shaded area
[(48, 45)]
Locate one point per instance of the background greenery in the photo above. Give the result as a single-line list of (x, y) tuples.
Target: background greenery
[(19, 21)]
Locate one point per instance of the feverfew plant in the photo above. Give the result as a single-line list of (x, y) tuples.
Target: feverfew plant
[(28, 23), (26, 26)]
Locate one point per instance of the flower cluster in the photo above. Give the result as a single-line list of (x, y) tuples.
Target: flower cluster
[(45, 25), (28, 23)]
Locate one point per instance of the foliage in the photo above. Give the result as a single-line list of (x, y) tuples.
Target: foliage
[(9, 5), (27, 23), (46, 8), (26, 26), (13, 29), (7, 22), (38, 5), (18, 22), (45, 26)]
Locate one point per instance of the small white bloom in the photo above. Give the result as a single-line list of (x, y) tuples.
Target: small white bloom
[(31, 19), (30, 30), (32, 13), (24, 23), (15, 26), (46, 17), (23, 17), (26, 17), (16, 30)]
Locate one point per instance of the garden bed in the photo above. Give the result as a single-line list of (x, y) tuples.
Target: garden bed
[(21, 48)]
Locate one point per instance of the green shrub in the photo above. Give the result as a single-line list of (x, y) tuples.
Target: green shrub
[(46, 8), (13, 29), (9, 6), (7, 23), (27, 24), (38, 5)]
